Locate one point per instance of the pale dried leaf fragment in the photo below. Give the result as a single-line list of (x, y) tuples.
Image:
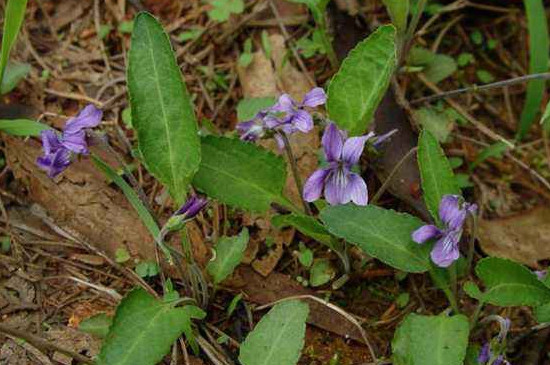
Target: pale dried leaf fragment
[(524, 237)]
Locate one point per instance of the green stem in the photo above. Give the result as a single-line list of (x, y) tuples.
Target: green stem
[(446, 290), (471, 246), (328, 46), (295, 172), (475, 316)]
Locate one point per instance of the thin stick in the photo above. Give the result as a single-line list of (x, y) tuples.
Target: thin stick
[(75, 96), (42, 344), (295, 172), (476, 88), (480, 126), (335, 308), (392, 174)]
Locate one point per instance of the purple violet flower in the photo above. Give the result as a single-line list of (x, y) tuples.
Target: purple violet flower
[(286, 116), (340, 184), (191, 207), (296, 115), (453, 215), (58, 149)]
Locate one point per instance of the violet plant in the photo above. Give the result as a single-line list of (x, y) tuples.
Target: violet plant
[(245, 176)]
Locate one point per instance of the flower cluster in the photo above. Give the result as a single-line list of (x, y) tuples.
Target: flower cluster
[(286, 116), (339, 183), (58, 150), (452, 213)]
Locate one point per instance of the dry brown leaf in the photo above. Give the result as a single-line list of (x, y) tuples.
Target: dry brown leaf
[(276, 286), (81, 202), (524, 237)]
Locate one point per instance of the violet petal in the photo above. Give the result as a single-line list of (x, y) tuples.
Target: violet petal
[(445, 251), (314, 98), (332, 143), (313, 187), (353, 148), (302, 121), (426, 233), (450, 212), (88, 117), (357, 190), (335, 188), (285, 104)]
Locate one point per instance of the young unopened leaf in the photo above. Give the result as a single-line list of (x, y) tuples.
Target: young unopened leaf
[(229, 253), (446, 343), (321, 272), (144, 329), (399, 11), (240, 174), (162, 112), (222, 9), (539, 50), (97, 325), (510, 284), (22, 127), (381, 233), (279, 336), (357, 89), (436, 173), (436, 67), (13, 18)]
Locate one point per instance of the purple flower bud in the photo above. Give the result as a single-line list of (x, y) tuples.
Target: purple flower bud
[(484, 354), (191, 207)]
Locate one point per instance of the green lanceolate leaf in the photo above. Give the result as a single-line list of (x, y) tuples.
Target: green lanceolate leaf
[(22, 127), (131, 195), (97, 325), (510, 284), (144, 329), (279, 336), (436, 172), (229, 253), (357, 89), (240, 174), (545, 120), (539, 48), (13, 18), (308, 226), (381, 233), (162, 112), (434, 340), (399, 11)]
